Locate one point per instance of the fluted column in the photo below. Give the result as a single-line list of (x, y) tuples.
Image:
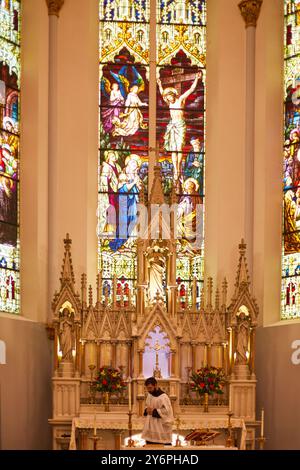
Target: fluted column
[(78, 351), (56, 363), (193, 356), (252, 352), (82, 358), (54, 7), (250, 10)]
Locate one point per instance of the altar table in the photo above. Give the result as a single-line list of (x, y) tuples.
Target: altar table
[(119, 421)]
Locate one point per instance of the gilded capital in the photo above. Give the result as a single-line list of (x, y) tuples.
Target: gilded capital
[(54, 7), (250, 10)]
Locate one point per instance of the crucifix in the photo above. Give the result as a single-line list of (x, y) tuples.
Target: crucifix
[(179, 77), (157, 347)]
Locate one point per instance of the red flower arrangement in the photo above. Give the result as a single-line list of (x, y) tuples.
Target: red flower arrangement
[(208, 380), (109, 380)]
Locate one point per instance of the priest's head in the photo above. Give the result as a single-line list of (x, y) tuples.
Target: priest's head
[(151, 385)]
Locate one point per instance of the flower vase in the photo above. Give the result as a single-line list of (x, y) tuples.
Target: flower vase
[(106, 401), (205, 408)]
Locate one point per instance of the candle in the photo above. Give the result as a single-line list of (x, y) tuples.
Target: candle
[(91, 353), (95, 428), (262, 423), (129, 393)]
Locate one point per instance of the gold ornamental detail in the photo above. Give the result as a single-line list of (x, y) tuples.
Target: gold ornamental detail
[(54, 7), (250, 10)]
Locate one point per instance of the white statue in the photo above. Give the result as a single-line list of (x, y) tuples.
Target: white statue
[(242, 340), (66, 337), (156, 263)]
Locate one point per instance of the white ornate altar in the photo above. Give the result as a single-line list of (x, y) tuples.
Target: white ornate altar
[(115, 331), (85, 427)]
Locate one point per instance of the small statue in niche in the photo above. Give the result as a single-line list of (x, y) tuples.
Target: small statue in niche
[(157, 268), (242, 343), (66, 336)]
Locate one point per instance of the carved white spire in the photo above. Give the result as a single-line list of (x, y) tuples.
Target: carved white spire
[(157, 195), (242, 277), (67, 273)]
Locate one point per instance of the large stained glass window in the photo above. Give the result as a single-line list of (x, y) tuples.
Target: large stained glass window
[(124, 129), (181, 62), (291, 164), (123, 145), (10, 16)]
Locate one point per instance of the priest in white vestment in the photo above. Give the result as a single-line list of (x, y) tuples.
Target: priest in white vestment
[(158, 415)]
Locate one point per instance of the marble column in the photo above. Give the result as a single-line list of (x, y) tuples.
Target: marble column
[(250, 10), (56, 362), (194, 359), (78, 351), (54, 7), (152, 94)]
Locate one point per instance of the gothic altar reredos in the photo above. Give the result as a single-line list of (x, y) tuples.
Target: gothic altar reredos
[(143, 332)]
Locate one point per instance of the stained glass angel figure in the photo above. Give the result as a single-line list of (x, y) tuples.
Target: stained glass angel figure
[(129, 122)]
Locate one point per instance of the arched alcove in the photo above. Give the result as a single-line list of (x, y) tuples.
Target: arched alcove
[(156, 355)]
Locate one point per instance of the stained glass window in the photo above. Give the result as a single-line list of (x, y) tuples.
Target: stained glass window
[(181, 71), (124, 128), (123, 144), (291, 164), (10, 16)]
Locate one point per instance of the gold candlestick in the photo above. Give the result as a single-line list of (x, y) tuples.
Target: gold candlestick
[(178, 423), (92, 386), (131, 442), (261, 442), (229, 440), (95, 440)]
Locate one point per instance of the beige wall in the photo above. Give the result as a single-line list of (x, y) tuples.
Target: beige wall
[(34, 161), (74, 202), (279, 385), (25, 387), (224, 221), (268, 161)]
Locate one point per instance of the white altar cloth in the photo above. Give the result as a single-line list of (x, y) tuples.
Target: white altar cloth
[(182, 448), (119, 421)]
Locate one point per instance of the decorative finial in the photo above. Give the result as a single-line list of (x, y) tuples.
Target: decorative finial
[(54, 7), (67, 242), (217, 301), (157, 195), (242, 276), (242, 247), (90, 295), (67, 272), (250, 10)]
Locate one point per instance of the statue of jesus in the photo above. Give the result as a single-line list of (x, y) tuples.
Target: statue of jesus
[(176, 129), (157, 264)]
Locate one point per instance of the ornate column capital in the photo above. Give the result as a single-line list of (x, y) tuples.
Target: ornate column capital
[(250, 10), (54, 7)]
